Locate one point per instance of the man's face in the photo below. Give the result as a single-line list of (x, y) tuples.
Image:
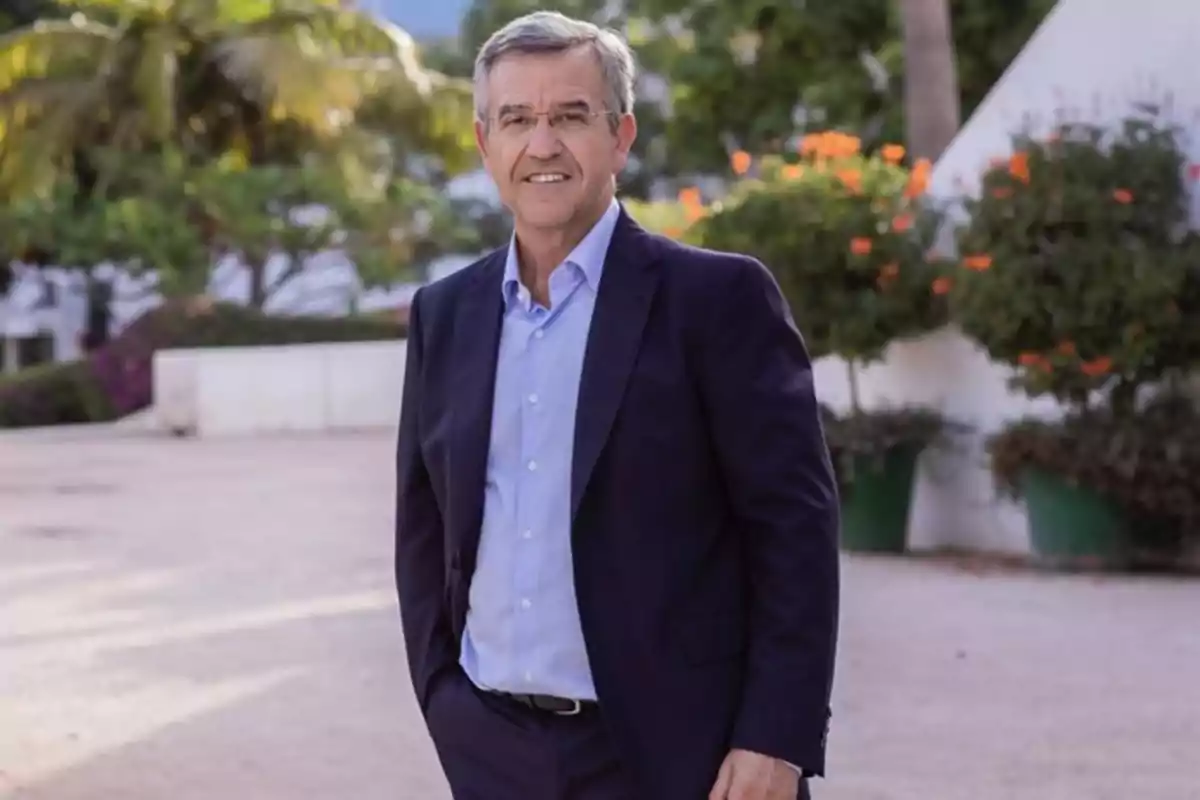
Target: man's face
[(548, 140)]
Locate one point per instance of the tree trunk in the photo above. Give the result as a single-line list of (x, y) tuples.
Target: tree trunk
[(258, 283), (931, 102)]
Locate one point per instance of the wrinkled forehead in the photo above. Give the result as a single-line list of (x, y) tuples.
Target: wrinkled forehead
[(547, 81)]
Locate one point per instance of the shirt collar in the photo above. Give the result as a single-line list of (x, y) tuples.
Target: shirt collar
[(588, 255)]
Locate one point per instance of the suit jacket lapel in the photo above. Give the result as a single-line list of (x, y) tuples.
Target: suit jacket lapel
[(622, 305), (477, 326)]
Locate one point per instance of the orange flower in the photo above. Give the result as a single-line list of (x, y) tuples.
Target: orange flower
[(740, 161), (918, 179), (978, 262), (673, 233), (902, 222), (851, 179), (942, 286), (1034, 361), (1096, 367), (1123, 196), (860, 245), (693, 213), (792, 172), (1066, 349), (1018, 166), (845, 145), (892, 153), (689, 196), (830, 144), (812, 144)]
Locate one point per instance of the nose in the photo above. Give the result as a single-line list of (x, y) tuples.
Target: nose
[(543, 140)]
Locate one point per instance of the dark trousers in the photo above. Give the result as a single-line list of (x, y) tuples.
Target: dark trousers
[(493, 748)]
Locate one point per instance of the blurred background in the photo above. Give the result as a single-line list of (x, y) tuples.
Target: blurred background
[(214, 214)]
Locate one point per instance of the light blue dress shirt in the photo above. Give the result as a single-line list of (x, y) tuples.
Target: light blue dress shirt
[(523, 633)]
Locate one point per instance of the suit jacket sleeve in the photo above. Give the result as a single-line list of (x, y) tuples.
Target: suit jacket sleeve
[(420, 560), (765, 423)]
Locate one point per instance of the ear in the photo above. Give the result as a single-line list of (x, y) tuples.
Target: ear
[(626, 135), (481, 138)]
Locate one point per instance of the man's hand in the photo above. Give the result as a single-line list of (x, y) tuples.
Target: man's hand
[(751, 776)]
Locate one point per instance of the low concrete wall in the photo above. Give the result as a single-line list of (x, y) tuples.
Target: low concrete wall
[(291, 388)]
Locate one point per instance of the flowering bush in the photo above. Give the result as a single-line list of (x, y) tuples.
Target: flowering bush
[(1077, 268), (847, 238)]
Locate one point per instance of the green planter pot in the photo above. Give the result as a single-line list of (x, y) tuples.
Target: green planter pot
[(1070, 526), (876, 504)]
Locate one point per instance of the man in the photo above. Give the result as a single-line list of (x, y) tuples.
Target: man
[(616, 516)]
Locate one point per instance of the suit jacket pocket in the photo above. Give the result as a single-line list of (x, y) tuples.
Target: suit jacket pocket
[(717, 638)]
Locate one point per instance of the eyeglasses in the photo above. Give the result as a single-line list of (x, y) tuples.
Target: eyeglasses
[(566, 121)]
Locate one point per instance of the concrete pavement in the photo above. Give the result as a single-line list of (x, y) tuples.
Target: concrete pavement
[(187, 620)]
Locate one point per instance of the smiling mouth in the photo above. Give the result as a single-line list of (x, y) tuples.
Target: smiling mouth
[(547, 177)]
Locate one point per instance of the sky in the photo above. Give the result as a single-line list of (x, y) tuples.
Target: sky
[(424, 19)]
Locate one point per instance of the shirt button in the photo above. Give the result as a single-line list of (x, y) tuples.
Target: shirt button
[(527, 535), (539, 333), (532, 466), (533, 398), (525, 603), (528, 677)]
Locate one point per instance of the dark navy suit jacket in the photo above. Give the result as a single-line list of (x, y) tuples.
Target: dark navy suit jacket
[(705, 511)]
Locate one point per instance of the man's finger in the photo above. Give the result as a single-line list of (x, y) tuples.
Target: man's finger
[(720, 790), (747, 784)]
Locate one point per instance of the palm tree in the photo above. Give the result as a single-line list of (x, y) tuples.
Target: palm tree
[(272, 80), (931, 100)]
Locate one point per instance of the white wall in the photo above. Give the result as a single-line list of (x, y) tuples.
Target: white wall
[(279, 389), (1093, 60)]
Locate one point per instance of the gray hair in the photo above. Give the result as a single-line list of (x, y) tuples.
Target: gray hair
[(552, 32)]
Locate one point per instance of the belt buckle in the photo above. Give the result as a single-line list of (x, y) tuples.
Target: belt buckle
[(576, 709)]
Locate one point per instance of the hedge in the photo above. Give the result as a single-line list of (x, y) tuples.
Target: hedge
[(116, 380)]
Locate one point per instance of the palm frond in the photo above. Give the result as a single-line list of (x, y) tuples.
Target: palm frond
[(53, 48), (290, 80)]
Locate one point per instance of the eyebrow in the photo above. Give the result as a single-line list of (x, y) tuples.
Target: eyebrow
[(525, 108)]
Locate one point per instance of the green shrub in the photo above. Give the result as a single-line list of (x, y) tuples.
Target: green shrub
[(52, 394), (1148, 463), (117, 380), (1077, 268), (864, 439), (673, 218)]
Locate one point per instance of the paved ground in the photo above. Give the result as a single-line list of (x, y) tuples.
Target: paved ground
[(185, 620)]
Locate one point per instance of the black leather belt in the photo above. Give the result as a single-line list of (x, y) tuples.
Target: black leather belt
[(550, 704)]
